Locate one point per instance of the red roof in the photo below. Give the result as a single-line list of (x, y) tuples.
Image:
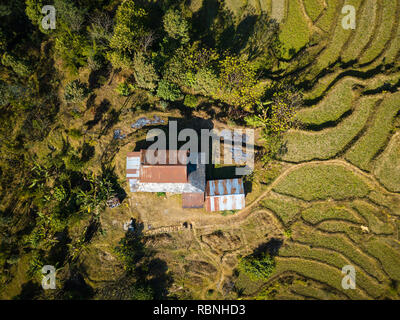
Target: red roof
[(164, 173), (193, 200)]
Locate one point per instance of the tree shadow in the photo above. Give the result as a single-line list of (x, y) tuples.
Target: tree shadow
[(271, 247), (99, 112), (29, 291)]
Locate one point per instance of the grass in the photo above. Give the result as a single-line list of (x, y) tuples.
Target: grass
[(364, 31), (333, 259), (362, 153), (325, 144), (371, 214), (391, 54), (322, 181), (285, 210), (311, 291), (294, 33), (325, 211), (383, 34), (327, 19), (321, 86), (338, 101), (338, 243), (390, 258), (387, 167), (388, 201), (316, 271), (340, 36), (313, 8)]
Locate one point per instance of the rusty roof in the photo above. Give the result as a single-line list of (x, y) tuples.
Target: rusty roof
[(165, 157), (164, 173), (193, 200), (225, 202), (224, 187)]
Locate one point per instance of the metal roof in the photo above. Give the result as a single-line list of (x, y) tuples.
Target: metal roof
[(165, 157), (193, 200), (133, 169), (224, 187), (164, 173), (225, 202)]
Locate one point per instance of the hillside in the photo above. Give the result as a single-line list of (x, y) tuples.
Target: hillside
[(324, 103)]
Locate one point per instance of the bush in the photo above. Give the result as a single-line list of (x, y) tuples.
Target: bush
[(75, 133), (125, 89), (191, 101), (144, 72), (168, 91), (257, 268), (76, 91), (176, 26)]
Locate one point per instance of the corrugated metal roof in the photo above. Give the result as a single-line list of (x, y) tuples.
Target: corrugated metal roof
[(224, 187), (164, 173), (193, 200), (165, 157), (225, 202)]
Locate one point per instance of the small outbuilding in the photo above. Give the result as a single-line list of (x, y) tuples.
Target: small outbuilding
[(226, 194)]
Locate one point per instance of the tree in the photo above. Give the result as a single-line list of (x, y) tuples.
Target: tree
[(191, 101), (69, 16), (238, 83), (176, 26), (20, 67), (168, 91), (278, 114), (129, 28), (34, 11), (257, 268), (144, 72), (76, 91)]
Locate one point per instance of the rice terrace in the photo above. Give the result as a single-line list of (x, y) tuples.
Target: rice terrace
[(320, 92)]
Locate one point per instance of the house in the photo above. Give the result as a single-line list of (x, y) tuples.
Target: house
[(167, 171), (226, 194), (170, 171)]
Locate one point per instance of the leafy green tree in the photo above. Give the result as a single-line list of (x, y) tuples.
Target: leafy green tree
[(168, 91), (20, 67), (176, 26), (191, 101), (95, 199), (34, 11), (142, 291), (71, 47), (76, 91), (257, 268), (239, 84), (129, 28), (69, 16), (125, 89), (144, 72)]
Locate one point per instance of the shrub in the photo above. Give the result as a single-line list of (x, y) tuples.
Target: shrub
[(168, 91), (257, 268), (144, 72), (76, 91), (125, 89), (176, 26), (191, 101), (75, 133)]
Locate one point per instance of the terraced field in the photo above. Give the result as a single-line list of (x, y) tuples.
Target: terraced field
[(333, 197), (336, 201), (339, 195)]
